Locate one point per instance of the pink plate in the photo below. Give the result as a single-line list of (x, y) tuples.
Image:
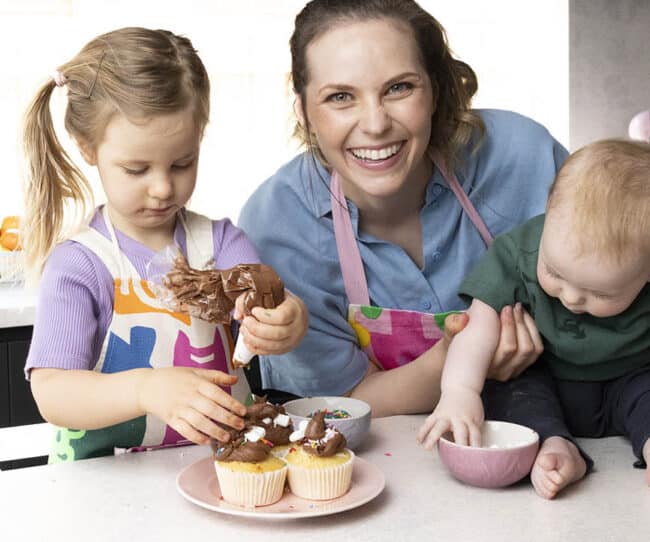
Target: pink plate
[(198, 484)]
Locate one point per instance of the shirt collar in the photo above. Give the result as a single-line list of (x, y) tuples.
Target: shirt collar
[(322, 197)]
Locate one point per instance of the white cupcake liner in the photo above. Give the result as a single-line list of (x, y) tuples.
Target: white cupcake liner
[(324, 483), (251, 488)]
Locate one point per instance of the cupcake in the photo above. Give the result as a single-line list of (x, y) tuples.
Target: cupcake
[(275, 421), (249, 475), (320, 466)]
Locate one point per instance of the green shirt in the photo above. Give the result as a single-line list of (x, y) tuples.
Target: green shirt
[(576, 346)]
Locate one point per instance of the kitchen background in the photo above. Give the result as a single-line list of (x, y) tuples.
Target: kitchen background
[(580, 67), (518, 48)]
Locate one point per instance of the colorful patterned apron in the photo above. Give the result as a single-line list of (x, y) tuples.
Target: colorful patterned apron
[(144, 334), (390, 337)]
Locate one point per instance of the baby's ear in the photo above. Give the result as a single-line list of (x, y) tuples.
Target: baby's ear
[(87, 152)]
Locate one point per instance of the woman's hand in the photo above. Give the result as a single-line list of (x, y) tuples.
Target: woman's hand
[(191, 401), (520, 344), (274, 331)]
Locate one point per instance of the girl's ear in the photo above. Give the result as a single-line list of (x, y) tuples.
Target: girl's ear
[(87, 152), (298, 110)]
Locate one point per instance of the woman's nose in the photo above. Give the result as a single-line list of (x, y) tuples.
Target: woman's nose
[(374, 118)]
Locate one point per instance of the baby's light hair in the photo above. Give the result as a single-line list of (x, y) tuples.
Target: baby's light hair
[(606, 186), (137, 72)]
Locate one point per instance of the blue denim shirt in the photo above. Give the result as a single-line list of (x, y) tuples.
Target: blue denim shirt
[(289, 220)]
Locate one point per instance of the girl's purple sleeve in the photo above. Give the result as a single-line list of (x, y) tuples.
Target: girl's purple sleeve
[(231, 245), (68, 315)]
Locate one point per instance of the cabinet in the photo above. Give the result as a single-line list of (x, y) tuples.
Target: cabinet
[(17, 406)]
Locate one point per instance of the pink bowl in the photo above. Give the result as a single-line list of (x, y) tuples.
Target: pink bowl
[(506, 456)]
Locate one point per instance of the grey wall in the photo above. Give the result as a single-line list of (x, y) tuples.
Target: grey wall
[(609, 67)]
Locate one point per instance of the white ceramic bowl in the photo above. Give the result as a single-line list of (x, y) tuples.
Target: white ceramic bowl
[(354, 428), (506, 455)]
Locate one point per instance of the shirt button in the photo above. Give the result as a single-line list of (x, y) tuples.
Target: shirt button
[(436, 256), (425, 305), (436, 190)]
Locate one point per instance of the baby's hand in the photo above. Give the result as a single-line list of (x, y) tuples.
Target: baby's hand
[(459, 410), (191, 401), (274, 331)]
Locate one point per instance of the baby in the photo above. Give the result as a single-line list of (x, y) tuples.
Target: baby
[(582, 271)]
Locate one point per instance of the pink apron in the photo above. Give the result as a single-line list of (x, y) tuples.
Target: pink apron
[(390, 337)]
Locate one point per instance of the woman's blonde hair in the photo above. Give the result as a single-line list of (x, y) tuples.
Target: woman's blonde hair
[(454, 82), (607, 187), (137, 72)]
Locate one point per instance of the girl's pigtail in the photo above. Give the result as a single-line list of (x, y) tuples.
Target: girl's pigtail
[(51, 178)]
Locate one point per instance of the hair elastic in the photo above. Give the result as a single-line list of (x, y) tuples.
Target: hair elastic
[(59, 78)]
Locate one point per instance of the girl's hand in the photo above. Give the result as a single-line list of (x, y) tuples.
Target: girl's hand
[(274, 331), (520, 344), (191, 401), (460, 411)]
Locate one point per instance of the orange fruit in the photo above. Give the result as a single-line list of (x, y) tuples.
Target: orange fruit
[(10, 233), (10, 241), (10, 223)]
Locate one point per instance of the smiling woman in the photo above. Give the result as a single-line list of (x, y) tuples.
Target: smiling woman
[(401, 187)]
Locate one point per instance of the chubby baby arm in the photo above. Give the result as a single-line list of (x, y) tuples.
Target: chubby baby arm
[(460, 409), (277, 330)]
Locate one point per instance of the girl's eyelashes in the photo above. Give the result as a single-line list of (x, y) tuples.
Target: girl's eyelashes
[(141, 171), (183, 166)]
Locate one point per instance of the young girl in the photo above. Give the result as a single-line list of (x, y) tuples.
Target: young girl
[(107, 358)]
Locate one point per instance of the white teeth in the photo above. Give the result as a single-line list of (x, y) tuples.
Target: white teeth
[(377, 154)]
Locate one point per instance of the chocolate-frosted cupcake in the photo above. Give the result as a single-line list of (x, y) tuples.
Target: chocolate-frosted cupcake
[(320, 466), (247, 472), (275, 421)]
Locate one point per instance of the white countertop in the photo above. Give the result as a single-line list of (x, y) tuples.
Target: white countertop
[(135, 496), (17, 305)]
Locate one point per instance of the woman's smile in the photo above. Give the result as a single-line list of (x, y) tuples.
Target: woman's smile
[(378, 157)]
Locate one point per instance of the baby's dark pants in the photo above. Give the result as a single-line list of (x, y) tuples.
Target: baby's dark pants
[(572, 409)]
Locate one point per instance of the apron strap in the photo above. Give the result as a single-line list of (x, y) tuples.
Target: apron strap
[(199, 238), (354, 276), (463, 199), (118, 252), (105, 250)]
